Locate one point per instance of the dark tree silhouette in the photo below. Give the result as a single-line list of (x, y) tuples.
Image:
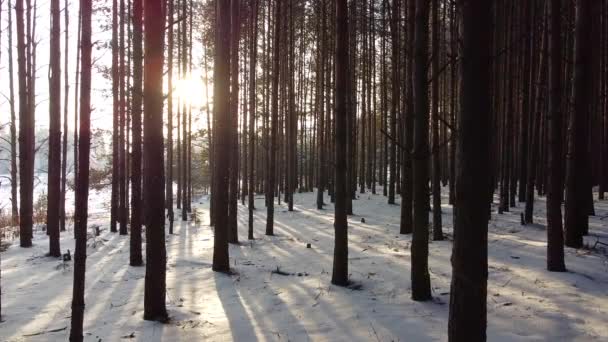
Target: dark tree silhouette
[(467, 320), (154, 182)]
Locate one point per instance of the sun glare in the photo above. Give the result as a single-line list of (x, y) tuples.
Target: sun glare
[(191, 90)]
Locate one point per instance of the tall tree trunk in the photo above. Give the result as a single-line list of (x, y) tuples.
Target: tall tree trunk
[(406, 223), (221, 133), (122, 130), (114, 202), (26, 132), (66, 91), (136, 198), (54, 157), (253, 48), (82, 187), (169, 180), (156, 257), (555, 237), (234, 122), (320, 109), (436, 182), (577, 172), (13, 127), (421, 281), (467, 318), (395, 99), (340, 266), (274, 121)]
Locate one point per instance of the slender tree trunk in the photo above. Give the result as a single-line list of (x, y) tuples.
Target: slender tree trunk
[(252, 108), (54, 157), (555, 237), (406, 222), (66, 91), (76, 102), (436, 182), (114, 202), (394, 100), (122, 129), (340, 266), (169, 180), (26, 132), (421, 281), (234, 122), (82, 187), (136, 258), (274, 121), (13, 127)]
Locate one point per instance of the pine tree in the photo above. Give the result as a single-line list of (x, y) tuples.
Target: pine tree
[(221, 128), (26, 126), (136, 197), (82, 186), (467, 318), (340, 267), (54, 157), (577, 166), (156, 255), (421, 281)]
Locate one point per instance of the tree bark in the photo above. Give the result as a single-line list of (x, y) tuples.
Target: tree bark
[(136, 258), (340, 266), (421, 281), (156, 257), (467, 317), (82, 187)]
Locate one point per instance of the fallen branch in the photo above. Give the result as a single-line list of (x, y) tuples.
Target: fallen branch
[(45, 332)]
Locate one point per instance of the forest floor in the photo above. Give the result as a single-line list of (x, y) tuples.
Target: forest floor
[(525, 302)]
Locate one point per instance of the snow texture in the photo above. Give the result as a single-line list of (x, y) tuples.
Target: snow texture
[(297, 303)]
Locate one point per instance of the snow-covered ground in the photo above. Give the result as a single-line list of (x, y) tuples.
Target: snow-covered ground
[(525, 302)]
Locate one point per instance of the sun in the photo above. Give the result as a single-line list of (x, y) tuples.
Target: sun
[(192, 90)]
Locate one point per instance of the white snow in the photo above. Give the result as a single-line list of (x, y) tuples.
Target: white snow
[(525, 302)]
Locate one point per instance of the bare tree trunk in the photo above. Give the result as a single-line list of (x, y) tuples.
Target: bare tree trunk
[(82, 187), (114, 205), (156, 257), (253, 48), (26, 131), (274, 121), (340, 266), (555, 237), (577, 170), (436, 182), (66, 91), (234, 122), (169, 180), (54, 157), (467, 318), (136, 258), (421, 281), (13, 128), (221, 133)]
